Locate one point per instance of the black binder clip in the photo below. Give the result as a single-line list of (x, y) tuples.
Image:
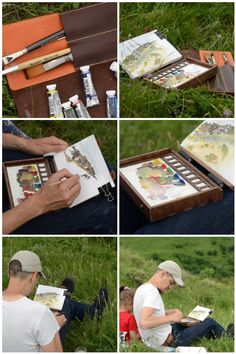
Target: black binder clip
[(105, 191)]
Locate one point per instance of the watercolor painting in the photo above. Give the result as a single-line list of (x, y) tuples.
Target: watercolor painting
[(157, 182), (24, 182), (74, 155), (213, 143), (50, 296), (146, 53)]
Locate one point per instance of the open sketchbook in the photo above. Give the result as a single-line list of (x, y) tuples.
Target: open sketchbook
[(198, 314), (50, 296), (85, 158), (212, 145), (146, 53)]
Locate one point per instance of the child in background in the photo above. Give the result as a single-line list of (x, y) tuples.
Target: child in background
[(128, 325)]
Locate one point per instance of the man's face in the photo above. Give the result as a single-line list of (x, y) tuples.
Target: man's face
[(166, 282)]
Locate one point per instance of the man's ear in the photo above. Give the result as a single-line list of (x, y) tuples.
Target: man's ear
[(34, 276)]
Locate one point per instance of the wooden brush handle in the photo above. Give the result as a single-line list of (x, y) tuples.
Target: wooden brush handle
[(43, 59)]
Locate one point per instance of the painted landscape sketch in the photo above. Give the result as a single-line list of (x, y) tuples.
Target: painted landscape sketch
[(50, 296), (157, 182), (213, 143)]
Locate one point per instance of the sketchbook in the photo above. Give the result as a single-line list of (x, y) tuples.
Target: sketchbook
[(146, 53), (198, 314), (50, 296), (165, 182), (26, 177)]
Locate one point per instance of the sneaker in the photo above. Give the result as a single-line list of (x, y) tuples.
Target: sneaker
[(68, 284), (101, 301), (230, 330)]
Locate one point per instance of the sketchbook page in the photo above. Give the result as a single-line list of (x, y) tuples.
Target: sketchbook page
[(85, 158), (50, 296), (212, 142), (146, 53), (200, 313), (156, 182)]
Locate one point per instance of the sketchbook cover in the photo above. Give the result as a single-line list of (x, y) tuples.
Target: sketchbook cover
[(146, 53), (50, 296), (85, 159), (212, 142)]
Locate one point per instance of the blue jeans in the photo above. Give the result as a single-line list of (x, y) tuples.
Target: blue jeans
[(213, 219), (184, 336), (74, 310), (96, 216)]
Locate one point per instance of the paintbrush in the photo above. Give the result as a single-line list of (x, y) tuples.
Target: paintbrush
[(36, 61), (10, 57), (41, 68)]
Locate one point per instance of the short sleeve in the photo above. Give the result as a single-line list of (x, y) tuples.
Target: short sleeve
[(152, 299), (132, 324), (47, 328)]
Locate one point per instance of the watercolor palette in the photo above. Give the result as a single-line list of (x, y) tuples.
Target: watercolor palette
[(186, 73), (25, 177), (163, 183)]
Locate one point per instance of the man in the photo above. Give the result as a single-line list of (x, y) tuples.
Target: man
[(160, 327), (29, 326)]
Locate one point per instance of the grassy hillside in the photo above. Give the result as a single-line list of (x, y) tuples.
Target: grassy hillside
[(208, 265), (91, 262), (195, 26)]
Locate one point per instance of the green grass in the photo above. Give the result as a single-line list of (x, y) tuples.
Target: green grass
[(139, 137), (210, 285), (73, 131), (186, 25), (92, 263), (13, 12)]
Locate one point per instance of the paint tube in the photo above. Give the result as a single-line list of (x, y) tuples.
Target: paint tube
[(68, 111), (111, 104), (54, 102), (90, 93), (79, 107)]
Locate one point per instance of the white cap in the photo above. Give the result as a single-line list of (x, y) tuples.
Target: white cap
[(111, 93), (173, 269), (29, 261), (85, 68), (51, 87), (74, 98), (66, 105)]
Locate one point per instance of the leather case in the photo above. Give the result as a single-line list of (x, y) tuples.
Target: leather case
[(205, 194), (91, 34), (224, 79)]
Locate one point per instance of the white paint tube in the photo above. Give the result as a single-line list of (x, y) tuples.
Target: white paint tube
[(79, 107), (90, 93), (55, 108)]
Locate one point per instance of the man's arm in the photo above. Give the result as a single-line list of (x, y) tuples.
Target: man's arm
[(54, 346), (149, 320)]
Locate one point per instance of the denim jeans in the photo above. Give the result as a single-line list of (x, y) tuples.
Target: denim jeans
[(74, 310), (184, 336), (215, 218), (96, 216)]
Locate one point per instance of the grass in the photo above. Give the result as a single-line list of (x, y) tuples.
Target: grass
[(73, 131), (210, 285), (186, 25), (139, 137), (92, 263), (13, 12)]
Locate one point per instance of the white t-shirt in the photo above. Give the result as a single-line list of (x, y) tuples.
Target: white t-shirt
[(27, 325), (148, 296)]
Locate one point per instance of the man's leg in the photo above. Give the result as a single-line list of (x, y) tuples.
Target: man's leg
[(184, 336)]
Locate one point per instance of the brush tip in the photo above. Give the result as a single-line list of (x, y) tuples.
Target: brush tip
[(34, 71)]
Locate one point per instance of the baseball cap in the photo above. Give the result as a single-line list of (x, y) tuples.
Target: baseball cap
[(173, 269), (29, 261)]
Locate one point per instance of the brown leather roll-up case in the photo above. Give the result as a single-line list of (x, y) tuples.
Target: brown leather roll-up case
[(90, 33)]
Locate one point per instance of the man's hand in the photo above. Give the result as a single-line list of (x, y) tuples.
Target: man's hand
[(58, 192), (43, 146), (176, 316), (61, 319)]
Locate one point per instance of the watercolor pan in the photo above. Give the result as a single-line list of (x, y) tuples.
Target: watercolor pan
[(206, 189)]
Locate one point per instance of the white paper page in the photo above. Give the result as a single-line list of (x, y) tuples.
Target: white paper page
[(88, 148), (212, 142), (146, 53), (50, 296), (200, 313)]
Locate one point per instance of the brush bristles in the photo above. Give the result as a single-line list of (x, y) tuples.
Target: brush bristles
[(35, 71)]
